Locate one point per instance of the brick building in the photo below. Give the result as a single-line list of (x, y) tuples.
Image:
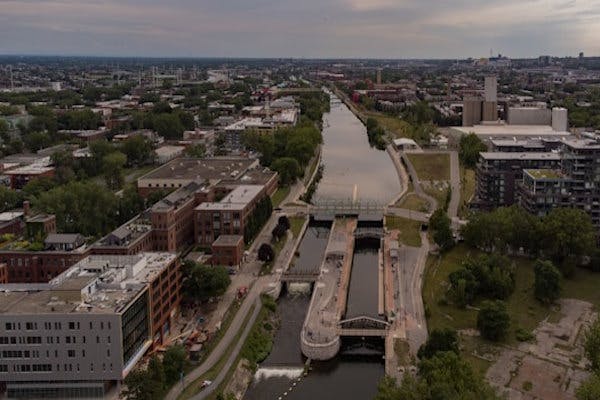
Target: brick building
[(227, 216), (228, 250)]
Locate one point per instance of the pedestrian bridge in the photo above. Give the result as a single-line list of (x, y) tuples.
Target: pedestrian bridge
[(363, 326), (290, 276), (329, 209)]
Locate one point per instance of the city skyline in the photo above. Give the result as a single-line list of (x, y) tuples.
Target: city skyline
[(309, 29)]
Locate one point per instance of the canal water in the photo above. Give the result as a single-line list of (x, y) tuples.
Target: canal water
[(353, 172), (364, 280), (352, 169)]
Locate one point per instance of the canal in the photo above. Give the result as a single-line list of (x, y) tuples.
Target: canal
[(352, 171)]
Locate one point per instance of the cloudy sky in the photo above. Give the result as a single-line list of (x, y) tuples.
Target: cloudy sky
[(300, 28)]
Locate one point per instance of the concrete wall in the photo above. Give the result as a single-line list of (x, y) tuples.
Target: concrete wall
[(529, 116), (560, 119), (471, 111)]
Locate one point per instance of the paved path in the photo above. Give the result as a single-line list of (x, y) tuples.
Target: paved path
[(248, 276), (455, 185), (232, 357), (408, 214), (433, 205)]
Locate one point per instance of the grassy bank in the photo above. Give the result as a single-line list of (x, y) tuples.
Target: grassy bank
[(409, 230), (431, 166)]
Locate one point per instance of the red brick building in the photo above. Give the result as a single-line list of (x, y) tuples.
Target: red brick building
[(228, 250)]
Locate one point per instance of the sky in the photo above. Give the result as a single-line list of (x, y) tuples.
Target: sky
[(301, 28)]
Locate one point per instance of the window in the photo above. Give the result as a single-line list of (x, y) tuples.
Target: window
[(71, 353), (71, 325), (8, 326)]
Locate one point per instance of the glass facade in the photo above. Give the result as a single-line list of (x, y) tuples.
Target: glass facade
[(135, 327)]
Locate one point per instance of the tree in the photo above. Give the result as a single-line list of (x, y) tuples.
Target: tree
[(174, 363), (442, 232), (9, 198), (196, 151), (156, 374), (493, 320), (266, 253), (278, 232), (37, 140), (284, 221), (470, 147), (591, 344), (567, 232), (439, 340), (112, 168), (449, 377), (547, 282), (81, 207), (138, 149), (168, 126), (201, 282), (146, 384), (589, 389), (288, 170), (37, 186)]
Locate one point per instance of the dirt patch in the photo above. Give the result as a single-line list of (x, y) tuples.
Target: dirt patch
[(554, 365), (240, 380)]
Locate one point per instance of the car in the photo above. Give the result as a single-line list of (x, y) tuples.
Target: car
[(206, 383)]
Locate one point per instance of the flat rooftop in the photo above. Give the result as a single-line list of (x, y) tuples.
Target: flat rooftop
[(500, 155), (543, 173), (205, 169), (97, 284), (504, 130), (237, 199), (583, 144), (228, 240)]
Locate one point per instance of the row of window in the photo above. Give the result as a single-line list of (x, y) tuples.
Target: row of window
[(72, 325)]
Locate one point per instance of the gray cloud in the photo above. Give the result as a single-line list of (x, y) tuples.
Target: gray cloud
[(308, 28)]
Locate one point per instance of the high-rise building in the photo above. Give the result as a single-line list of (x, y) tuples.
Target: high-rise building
[(490, 104)]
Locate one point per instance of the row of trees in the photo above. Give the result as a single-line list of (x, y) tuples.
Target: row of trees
[(375, 133), (565, 235), (287, 150), (261, 214), (86, 207), (153, 382), (492, 277)]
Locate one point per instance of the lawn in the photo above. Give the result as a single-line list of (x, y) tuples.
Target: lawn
[(395, 126), (467, 190), (409, 230), (431, 167), (437, 192), (412, 201), (296, 224), (525, 312), (280, 195)]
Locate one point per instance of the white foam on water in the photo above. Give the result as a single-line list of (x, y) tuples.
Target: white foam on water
[(278, 372), (298, 288)]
